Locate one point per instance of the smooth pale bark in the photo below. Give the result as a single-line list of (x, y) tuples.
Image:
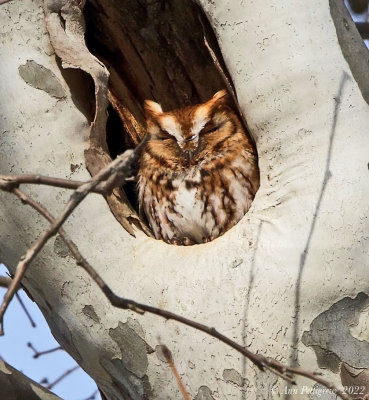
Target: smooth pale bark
[(296, 263)]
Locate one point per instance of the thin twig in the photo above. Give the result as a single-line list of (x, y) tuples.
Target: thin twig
[(316, 377), (41, 353), (32, 322), (286, 376), (9, 182), (92, 396), (61, 377), (168, 356)]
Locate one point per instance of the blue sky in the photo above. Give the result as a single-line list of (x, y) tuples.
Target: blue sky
[(14, 350)]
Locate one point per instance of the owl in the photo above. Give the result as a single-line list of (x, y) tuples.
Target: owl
[(198, 171)]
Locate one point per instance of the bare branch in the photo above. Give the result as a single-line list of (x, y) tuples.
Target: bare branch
[(316, 377), (5, 281), (92, 396), (41, 353), (33, 324), (61, 377), (285, 375), (9, 182), (168, 356)]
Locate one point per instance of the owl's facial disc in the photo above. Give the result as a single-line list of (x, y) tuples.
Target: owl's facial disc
[(189, 138)]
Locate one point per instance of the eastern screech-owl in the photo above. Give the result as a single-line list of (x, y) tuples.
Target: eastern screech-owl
[(198, 171)]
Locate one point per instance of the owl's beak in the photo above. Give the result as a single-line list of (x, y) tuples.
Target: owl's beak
[(189, 155), (189, 145)]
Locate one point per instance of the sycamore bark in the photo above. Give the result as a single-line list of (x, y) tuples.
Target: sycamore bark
[(289, 280)]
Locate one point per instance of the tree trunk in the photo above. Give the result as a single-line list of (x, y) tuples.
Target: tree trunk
[(15, 386), (289, 280)]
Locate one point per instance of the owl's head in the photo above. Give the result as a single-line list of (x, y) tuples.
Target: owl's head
[(186, 126)]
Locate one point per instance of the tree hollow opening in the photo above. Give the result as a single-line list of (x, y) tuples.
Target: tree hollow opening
[(165, 51)]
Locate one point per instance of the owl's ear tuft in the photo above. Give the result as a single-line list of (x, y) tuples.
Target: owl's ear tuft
[(221, 96), (152, 109)]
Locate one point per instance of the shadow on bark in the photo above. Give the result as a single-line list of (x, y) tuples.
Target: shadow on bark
[(327, 175), (247, 301)]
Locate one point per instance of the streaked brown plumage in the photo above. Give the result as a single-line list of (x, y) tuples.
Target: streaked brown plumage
[(198, 171)]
